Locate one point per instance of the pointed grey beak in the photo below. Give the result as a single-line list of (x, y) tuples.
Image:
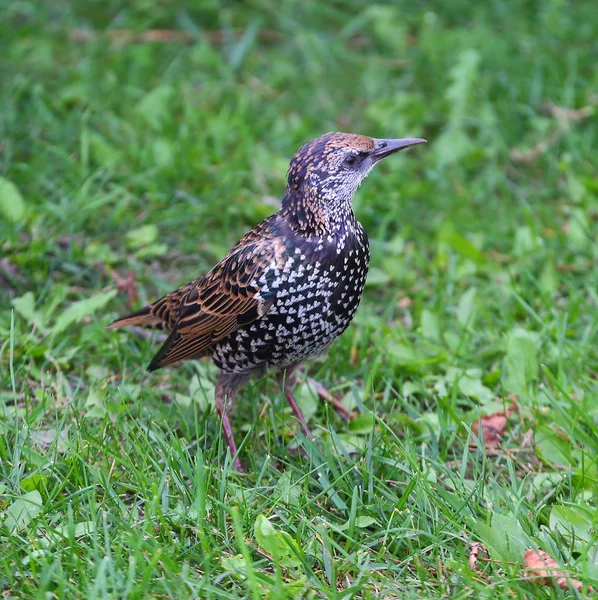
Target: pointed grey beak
[(384, 148)]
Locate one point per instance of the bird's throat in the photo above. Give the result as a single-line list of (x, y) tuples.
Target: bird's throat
[(312, 216)]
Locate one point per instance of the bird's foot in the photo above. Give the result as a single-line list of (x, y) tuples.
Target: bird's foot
[(239, 468)]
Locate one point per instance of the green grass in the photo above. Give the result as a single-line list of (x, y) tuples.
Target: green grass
[(153, 158)]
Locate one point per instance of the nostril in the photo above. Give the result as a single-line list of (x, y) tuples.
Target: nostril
[(383, 145)]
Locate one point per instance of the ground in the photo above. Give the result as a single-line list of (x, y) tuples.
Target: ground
[(140, 140)]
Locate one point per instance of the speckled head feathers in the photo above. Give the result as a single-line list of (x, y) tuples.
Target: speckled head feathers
[(324, 154), (325, 173)]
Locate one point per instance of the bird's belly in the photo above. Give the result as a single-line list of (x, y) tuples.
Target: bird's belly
[(309, 313)]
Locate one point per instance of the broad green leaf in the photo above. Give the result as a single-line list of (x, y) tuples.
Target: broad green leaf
[(80, 309), (362, 423), (34, 482), (578, 229), (575, 523), (549, 281), (377, 277), (466, 307), (430, 325), (414, 359), (463, 75), (409, 388), (23, 510), (307, 400), (141, 236), (201, 389), (59, 532), (163, 153), (50, 436), (151, 250), (154, 107), (364, 521), (576, 190), (474, 388), (95, 406), (453, 374), (526, 241), (274, 542), (289, 492), (351, 443), (403, 355), (553, 448), (236, 564), (81, 529), (461, 245), (102, 151), (25, 307), (452, 340), (504, 537), (12, 205), (452, 146), (522, 361)]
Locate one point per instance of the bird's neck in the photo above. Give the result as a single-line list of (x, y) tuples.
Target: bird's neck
[(312, 216)]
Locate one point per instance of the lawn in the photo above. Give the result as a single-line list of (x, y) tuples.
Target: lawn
[(140, 140)]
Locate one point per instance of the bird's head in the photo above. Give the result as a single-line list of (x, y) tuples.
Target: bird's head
[(325, 172)]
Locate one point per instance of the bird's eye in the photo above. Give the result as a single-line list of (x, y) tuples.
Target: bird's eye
[(350, 160)]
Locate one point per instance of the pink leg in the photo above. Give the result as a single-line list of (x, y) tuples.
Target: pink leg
[(297, 411), (227, 384), (290, 381), (230, 440)]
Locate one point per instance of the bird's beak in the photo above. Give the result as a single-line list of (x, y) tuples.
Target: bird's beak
[(384, 148)]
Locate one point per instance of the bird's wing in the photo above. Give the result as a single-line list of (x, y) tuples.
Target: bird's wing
[(162, 314), (235, 292)]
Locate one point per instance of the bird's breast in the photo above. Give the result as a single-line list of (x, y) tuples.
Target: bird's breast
[(316, 291)]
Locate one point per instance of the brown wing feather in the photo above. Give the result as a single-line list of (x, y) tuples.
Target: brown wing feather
[(225, 298), (162, 314)]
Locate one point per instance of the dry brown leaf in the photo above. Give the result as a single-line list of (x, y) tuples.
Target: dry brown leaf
[(544, 570), (493, 426), (477, 551)]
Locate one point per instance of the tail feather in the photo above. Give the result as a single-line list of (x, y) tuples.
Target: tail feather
[(160, 359), (141, 318)]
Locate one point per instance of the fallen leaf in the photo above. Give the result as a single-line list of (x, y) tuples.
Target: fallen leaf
[(493, 426), (77, 311), (544, 570), (22, 511), (12, 205), (477, 551)]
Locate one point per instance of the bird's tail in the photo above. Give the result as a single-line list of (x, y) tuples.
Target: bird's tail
[(144, 317)]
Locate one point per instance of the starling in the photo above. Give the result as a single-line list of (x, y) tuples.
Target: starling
[(289, 287)]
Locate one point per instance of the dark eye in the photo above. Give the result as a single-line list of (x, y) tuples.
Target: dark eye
[(350, 160)]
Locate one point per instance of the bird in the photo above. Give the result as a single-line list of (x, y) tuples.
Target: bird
[(288, 289)]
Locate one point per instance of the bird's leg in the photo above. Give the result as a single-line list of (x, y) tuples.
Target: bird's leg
[(290, 381), (226, 386)]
